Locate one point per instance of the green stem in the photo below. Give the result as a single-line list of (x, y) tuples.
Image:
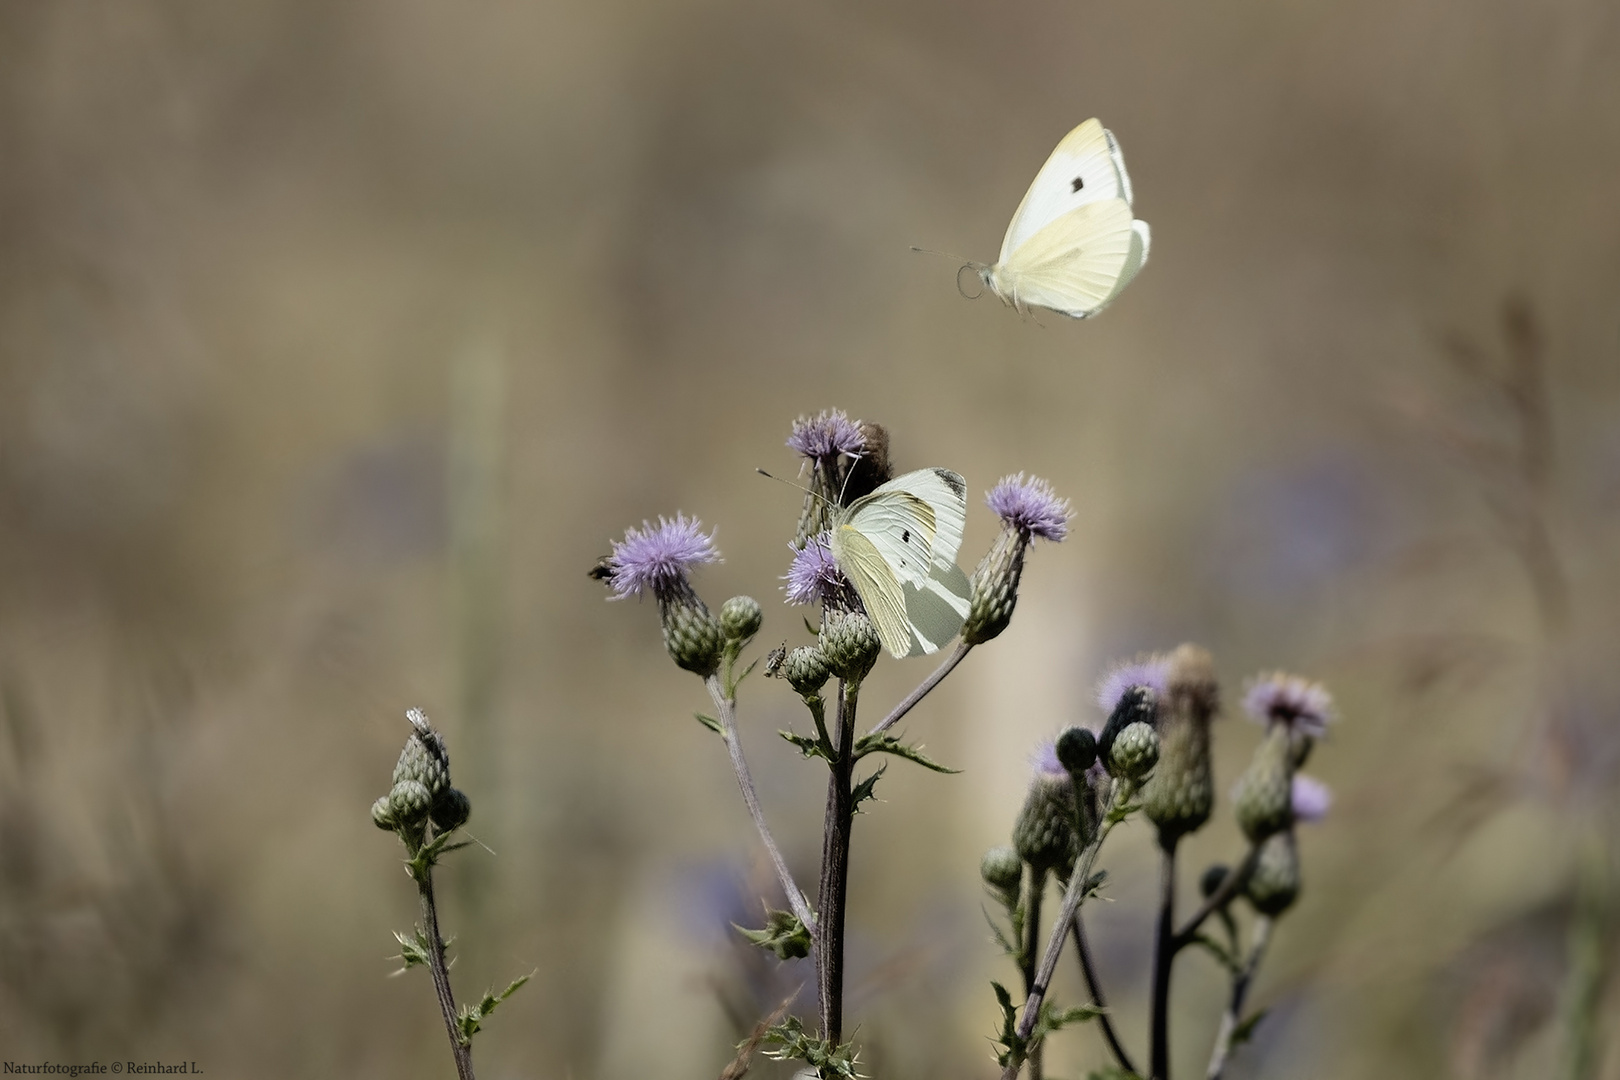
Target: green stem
[(833, 894), (1164, 955), (441, 977), (1240, 992)]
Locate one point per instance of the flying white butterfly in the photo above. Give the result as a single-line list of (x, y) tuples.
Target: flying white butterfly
[(1073, 244), (898, 548)]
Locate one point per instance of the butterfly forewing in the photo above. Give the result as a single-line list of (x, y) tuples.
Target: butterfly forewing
[(1086, 167), (900, 526)]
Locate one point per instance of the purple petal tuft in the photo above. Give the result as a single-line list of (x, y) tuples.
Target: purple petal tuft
[(1289, 699), (1045, 760), (827, 435), (1031, 507), (657, 557), (1311, 798), (1153, 673), (814, 576)]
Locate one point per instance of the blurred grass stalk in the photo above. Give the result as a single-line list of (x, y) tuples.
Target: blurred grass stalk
[(477, 544)]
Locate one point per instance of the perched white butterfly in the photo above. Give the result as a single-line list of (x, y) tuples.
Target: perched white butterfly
[(898, 548), (1072, 245)]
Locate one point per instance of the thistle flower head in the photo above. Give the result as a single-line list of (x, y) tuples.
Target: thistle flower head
[(814, 577), (1029, 507), (1280, 698), (1311, 798), (1152, 672), (1044, 760), (658, 557), (826, 435)]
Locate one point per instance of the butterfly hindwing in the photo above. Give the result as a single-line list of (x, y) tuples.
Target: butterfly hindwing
[(1075, 265), (937, 611)]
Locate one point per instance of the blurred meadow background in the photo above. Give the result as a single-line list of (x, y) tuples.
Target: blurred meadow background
[(336, 341)]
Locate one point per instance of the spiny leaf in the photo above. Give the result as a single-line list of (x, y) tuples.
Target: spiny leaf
[(808, 745), (1245, 1031), (413, 950), (884, 743), (710, 722), (470, 1019), (1013, 1049), (783, 935), (790, 1042), (863, 791), (1055, 1019)]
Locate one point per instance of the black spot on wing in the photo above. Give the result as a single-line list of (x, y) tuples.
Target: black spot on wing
[(1078, 183), (905, 536)]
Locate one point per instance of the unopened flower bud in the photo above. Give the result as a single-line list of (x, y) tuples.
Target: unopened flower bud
[(1135, 705), (1044, 835), (1179, 797), (409, 802), (382, 813), (1275, 883), (424, 759), (1264, 795), (451, 810), (1076, 749), (1135, 752), (850, 643), (805, 669), (1212, 880), (740, 618), (1002, 870)]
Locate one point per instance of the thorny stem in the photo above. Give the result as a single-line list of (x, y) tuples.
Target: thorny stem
[(1089, 970), (829, 934), (1164, 955), (441, 977), (1240, 992), (1026, 962), (1072, 897), (1218, 899), (726, 706), (900, 710)]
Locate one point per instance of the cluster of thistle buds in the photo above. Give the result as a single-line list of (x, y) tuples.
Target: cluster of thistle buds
[(421, 792)]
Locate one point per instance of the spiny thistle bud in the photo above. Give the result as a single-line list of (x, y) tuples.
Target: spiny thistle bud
[(1212, 879), (656, 558), (805, 669), (741, 618), (1076, 749), (1002, 870), (1135, 752), (1275, 883), (382, 813), (1044, 835), (1263, 797), (850, 644), (424, 759), (408, 803), (450, 810), (1028, 508), (1179, 797), (1137, 704), (823, 440)]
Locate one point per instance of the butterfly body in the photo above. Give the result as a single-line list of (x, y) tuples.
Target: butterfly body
[(898, 548), (1073, 243)]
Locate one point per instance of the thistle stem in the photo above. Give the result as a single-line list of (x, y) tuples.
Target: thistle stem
[(1089, 970), (1219, 898), (1026, 964), (1164, 955), (441, 977), (726, 706), (829, 934), (900, 710), (1240, 992), (1072, 898)]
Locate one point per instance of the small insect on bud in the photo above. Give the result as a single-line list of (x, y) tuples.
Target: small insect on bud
[(1135, 752), (1002, 870), (740, 618), (850, 644), (1076, 749)]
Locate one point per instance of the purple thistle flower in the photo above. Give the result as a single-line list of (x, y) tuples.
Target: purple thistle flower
[(826, 436), (1045, 760), (657, 557), (1030, 507), (1311, 798), (1152, 672), (814, 577), (1280, 698)]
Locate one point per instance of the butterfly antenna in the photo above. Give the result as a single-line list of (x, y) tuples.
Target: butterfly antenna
[(791, 484), (978, 269)]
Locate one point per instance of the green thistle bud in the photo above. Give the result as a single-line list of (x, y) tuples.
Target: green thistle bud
[(1135, 752), (740, 618), (1263, 797), (450, 810), (424, 758), (1179, 797), (691, 634), (850, 644), (1275, 883), (805, 669), (995, 588), (1043, 835), (1076, 749), (1213, 878), (382, 814), (409, 802), (1002, 870), (1137, 705)]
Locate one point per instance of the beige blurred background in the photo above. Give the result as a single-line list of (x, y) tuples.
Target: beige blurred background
[(336, 341)]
